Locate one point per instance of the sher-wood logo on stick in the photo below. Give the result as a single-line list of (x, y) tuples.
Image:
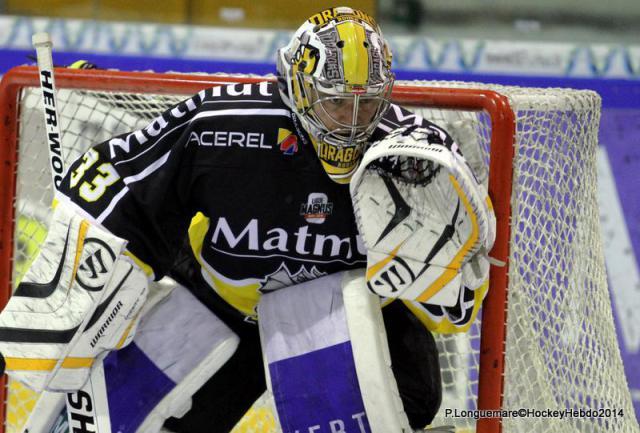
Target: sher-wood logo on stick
[(43, 45)]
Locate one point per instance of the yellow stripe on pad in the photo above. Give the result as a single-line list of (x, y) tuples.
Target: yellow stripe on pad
[(82, 233), (453, 267), (77, 362), (36, 364), (126, 332), (371, 271)]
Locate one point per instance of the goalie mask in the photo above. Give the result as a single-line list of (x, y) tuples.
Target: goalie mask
[(425, 220), (335, 75)]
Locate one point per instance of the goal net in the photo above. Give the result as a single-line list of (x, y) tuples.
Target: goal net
[(545, 340)]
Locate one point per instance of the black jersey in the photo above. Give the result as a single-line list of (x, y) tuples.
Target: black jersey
[(268, 214)]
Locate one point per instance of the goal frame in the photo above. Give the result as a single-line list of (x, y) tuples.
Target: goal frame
[(502, 139)]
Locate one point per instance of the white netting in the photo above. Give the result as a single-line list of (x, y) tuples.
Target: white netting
[(561, 345)]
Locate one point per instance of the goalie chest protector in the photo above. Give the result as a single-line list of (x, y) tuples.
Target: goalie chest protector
[(270, 216)]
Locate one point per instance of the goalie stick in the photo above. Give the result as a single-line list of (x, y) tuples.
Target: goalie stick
[(89, 404), (42, 44)]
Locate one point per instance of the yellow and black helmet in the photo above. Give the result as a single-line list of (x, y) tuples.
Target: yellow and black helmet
[(335, 75)]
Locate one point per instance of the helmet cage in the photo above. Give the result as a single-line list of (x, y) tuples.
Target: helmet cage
[(321, 99)]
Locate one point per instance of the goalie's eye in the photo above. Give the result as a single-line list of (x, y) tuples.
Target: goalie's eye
[(336, 102)]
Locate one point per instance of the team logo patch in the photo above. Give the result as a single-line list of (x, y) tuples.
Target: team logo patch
[(317, 208), (288, 141)]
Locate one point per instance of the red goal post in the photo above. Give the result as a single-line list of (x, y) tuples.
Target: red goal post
[(502, 134)]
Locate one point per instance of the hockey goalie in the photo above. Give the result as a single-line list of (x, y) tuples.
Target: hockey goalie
[(287, 214)]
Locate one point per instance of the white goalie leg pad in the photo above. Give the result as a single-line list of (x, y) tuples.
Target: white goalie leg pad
[(179, 345), (323, 373), (378, 385), (80, 298)]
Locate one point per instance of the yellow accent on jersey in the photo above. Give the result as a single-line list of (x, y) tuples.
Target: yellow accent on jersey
[(355, 57), (197, 231), (452, 269), (88, 160), (107, 176), (242, 297)]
